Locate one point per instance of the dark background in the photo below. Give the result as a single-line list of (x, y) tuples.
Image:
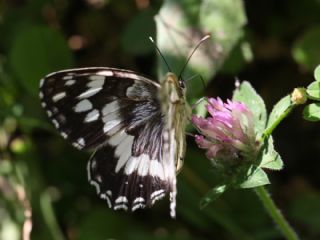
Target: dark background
[(39, 168)]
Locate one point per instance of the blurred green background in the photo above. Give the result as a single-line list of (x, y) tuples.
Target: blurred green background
[(276, 50)]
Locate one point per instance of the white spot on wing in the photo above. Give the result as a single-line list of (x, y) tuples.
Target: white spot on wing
[(96, 185), (110, 124), (173, 203), (83, 106), (156, 169), (77, 145), (137, 206), (49, 113), (97, 81), (93, 163), (111, 107), (122, 206), (110, 117), (105, 197), (143, 165), (64, 135), (99, 178), (92, 116), (157, 195), (40, 94), (138, 203), (105, 73), (90, 92), (140, 163), (117, 138), (58, 96), (121, 199), (123, 151), (80, 141), (55, 123), (91, 181), (68, 77), (41, 82), (138, 200), (70, 82), (128, 75), (138, 90), (131, 165)]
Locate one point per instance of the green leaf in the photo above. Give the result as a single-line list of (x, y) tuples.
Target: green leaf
[(36, 51), (317, 73), (278, 109), (135, 38), (312, 112), (182, 24), (270, 158), (212, 195), (306, 50), (246, 94), (225, 20), (257, 178), (313, 90)]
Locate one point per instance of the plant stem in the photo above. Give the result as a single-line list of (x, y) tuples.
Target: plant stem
[(270, 129), (276, 214)]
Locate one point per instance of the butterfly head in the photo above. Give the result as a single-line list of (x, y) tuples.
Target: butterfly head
[(173, 88)]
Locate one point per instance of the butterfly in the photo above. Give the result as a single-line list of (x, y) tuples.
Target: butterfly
[(134, 125)]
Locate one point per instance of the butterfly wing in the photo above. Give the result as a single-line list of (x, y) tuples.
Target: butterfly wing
[(118, 113)]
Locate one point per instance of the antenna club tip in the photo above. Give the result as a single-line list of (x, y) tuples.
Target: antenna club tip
[(151, 39), (205, 37)]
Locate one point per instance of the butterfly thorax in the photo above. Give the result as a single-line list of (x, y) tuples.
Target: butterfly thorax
[(176, 110)]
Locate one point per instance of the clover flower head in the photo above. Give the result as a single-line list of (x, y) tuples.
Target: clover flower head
[(228, 133)]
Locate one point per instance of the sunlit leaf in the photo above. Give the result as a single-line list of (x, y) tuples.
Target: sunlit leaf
[(278, 109), (246, 94), (317, 73), (270, 158), (313, 90), (257, 178), (212, 195), (312, 112)]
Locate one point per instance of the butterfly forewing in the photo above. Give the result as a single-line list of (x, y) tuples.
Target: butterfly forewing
[(118, 113)]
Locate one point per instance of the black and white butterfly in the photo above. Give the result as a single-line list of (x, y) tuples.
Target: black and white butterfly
[(135, 125)]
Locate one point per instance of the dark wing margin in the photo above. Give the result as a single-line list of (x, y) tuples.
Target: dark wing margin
[(118, 113)]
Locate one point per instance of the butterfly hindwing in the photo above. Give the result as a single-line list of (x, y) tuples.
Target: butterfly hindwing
[(138, 178)]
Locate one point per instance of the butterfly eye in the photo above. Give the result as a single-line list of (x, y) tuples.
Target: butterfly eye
[(182, 84)]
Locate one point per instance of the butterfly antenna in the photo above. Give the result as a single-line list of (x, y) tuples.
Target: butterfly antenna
[(153, 42), (193, 51)]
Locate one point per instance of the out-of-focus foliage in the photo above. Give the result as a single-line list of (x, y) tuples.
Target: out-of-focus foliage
[(273, 44), (186, 23)]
